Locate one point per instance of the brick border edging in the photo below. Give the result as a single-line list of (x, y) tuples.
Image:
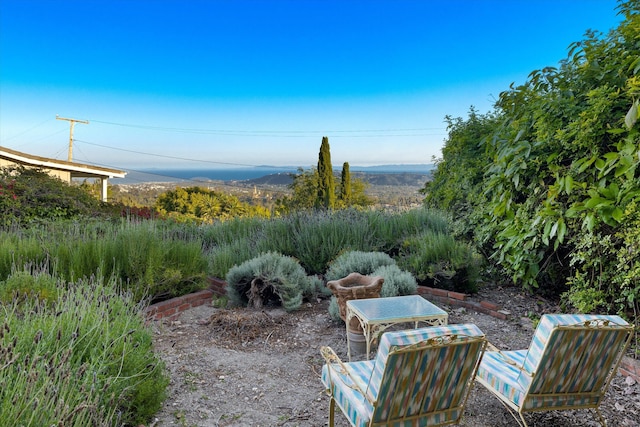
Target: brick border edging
[(171, 309)]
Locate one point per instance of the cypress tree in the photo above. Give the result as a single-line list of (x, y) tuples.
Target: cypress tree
[(345, 184), (326, 186)]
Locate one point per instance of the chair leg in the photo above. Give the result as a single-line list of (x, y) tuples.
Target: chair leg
[(524, 423), (603, 422), (332, 408)]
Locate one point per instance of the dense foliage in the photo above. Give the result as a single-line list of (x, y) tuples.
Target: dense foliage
[(270, 279), (150, 259), (203, 205), (316, 189), (548, 185), (345, 185), (32, 194), (326, 185), (83, 356)]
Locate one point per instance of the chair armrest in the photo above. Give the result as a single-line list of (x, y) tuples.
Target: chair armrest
[(492, 347), (332, 360), (507, 359)]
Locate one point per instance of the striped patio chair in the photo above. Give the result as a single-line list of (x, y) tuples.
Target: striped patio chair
[(420, 377), (568, 365)]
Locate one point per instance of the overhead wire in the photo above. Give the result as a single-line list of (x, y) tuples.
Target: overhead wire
[(281, 133), (27, 130), (175, 157)]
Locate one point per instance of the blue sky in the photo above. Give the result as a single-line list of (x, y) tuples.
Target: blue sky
[(209, 83)]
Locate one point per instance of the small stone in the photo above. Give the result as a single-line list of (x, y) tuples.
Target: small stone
[(629, 381), (619, 406)]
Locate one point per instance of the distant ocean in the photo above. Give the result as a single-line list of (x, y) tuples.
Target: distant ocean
[(242, 174), (198, 175)]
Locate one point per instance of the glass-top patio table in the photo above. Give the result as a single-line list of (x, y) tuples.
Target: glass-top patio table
[(377, 314)]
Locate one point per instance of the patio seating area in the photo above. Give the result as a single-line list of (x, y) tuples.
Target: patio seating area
[(423, 376)]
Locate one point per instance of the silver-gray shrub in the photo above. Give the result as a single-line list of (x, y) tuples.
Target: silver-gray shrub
[(396, 281), (361, 262), (279, 279)]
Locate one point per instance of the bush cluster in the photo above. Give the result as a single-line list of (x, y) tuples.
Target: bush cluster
[(28, 195), (270, 279), (83, 357), (547, 185), (151, 259)]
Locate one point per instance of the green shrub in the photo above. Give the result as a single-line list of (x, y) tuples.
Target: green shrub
[(396, 281), (23, 285), (152, 259), (197, 204), (440, 261), (84, 360), (390, 229), (269, 279), (315, 238), (364, 263), (32, 194)]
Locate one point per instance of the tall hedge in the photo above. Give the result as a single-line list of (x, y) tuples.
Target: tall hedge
[(557, 202)]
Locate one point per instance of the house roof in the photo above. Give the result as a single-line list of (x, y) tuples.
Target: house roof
[(77, 170)]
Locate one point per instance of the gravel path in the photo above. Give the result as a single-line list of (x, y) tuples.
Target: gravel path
[(262, 368)]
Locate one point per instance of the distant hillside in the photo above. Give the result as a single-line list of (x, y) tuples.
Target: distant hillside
[(423, 169), (381, 179)]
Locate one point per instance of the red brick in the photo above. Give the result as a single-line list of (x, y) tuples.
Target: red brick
[(183, 307), (201, 301), (436, 291), (457, 295), (630, 367), (498, 315), (217, 283), (167, 313), (165, 305), (489, 305), (464, 304)]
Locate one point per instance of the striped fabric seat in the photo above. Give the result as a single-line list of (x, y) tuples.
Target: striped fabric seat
[(568, 365), (419, 377)]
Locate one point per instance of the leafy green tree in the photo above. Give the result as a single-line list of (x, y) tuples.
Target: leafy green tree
[(458, 180), (203, 205), (345, 185), (304, 193), (326, 185), (558, 207)]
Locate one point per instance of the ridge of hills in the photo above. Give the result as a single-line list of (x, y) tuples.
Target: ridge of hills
[(379, 179)]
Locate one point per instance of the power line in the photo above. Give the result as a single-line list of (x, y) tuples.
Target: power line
[(280, 133), (27, 130), (175, 157)]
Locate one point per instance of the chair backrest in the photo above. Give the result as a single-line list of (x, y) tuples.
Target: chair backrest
[(572, 355), (424, 373)]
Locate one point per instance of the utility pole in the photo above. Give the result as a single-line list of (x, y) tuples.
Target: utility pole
[(72, 122)]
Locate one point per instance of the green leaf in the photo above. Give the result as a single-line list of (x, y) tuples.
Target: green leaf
[(597, 202), (562, 230), (568, 184), (554, 229), (589, 222), (632, 115), (617, 214)]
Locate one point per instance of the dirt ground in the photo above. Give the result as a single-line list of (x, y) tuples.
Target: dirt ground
[(261, 368)]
